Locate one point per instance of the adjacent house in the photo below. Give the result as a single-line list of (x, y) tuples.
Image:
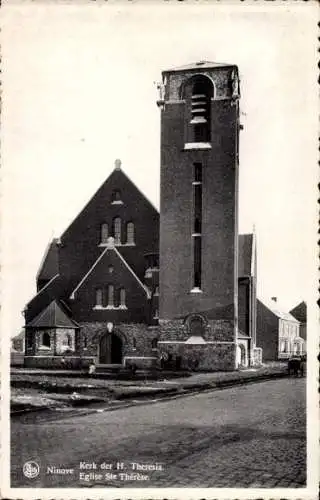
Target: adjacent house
[(278, 332), (300, 313)]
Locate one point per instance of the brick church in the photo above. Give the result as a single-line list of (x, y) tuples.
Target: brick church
[(125, 285)]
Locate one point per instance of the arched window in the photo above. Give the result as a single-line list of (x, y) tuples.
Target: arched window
[(130, 233), (198, 92), (46, 339), (122, 297), (154, 343), (111, 296), (99, 297), (196, 325), (104, 233), (117, 230), (116, 197)]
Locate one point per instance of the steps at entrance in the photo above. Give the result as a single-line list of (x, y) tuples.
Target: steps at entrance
[(108, 368)]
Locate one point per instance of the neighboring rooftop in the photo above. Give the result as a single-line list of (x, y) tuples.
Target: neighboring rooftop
[(300, 312), (273, 306)]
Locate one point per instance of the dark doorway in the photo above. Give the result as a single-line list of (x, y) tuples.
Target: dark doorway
[(110, 349)]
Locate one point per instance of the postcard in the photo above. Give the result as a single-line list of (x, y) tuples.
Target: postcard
[(159, 249)]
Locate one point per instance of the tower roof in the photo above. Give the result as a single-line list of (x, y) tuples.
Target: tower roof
[(198, 65), (52, 316)]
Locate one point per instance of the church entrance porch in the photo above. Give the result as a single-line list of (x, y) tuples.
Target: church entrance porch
[(110, 349)]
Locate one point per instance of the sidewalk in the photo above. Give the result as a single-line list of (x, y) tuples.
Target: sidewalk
[(34, 389)]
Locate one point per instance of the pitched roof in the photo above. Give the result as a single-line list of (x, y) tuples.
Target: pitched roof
[(278, 311), (300, 312), (110, 247), (52, 316), (49, 266), (245, 255), (198, 65)]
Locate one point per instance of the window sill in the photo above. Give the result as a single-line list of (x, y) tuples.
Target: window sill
[(196, 290), (117, 202), (129, 245), (104, 245), (197, 145), (110, 308)]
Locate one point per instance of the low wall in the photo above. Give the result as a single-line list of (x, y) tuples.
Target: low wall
[(204, 357), (65, 363), (16, 358), (141, 362)]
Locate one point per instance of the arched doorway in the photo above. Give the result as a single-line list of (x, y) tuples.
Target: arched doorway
[(110, 351)]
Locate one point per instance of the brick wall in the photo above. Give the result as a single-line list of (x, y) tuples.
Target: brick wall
[(219, 224)]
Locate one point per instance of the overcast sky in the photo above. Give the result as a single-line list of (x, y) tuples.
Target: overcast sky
[(79, 92)]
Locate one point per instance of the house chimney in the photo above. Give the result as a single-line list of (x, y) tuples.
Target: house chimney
[(274, 299)]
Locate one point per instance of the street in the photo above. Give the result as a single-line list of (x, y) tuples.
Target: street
[(246, 436)]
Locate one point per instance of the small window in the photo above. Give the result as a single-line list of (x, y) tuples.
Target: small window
[(69, 340), (99, 297), (134, 343), (29, 340), (122, 297), (110, 269), (46, 339), (111, 296), (85, 342), (130, 233), (154, 343), (117, 231), (104, 233), (156, 314), (116, 197)]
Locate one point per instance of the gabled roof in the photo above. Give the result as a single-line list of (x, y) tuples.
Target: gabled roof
[(52, 316), (109, 248), (117, 178), (300, 312), (198, 65), (245, 255), (49, 266), (278, 310)]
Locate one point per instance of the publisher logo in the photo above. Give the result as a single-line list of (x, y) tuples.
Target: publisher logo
[(31, 469)]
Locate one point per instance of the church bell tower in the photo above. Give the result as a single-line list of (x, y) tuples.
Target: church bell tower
[(199, 213)]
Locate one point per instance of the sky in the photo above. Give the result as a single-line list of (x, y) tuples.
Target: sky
[(79, 91)]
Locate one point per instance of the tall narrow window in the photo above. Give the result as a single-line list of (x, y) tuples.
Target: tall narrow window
[(110, 296), (99, 297), (117, 231), (130, 233), (104, 233), (197, 225), (122, 297)]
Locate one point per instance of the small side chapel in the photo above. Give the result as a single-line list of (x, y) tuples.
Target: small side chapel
[(127, 285)]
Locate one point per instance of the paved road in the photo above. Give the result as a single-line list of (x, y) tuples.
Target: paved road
[(249, 436)]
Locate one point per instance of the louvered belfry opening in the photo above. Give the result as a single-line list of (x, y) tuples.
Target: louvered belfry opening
[(198, 95)]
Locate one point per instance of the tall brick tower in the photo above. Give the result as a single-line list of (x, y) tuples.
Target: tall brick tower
[(199, 215)]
